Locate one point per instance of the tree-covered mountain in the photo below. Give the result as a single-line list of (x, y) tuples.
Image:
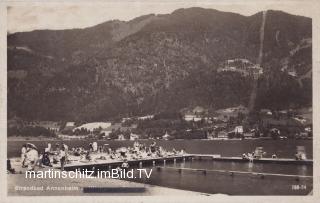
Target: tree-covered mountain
[(158, 62)]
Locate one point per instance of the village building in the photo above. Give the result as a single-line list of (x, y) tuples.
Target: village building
[(50, 125), (248, 135), (192, 117), (134, 136), (69, 126), (222, 135), (196, 114), (238, 130), (166, 136), (225, 114), (121, 137), (147, 117), (114, 127), (92, 126)]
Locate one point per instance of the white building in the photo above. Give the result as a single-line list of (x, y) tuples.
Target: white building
[(192, 117), (134, 136), (95, 125), (238, 129), (166, 136)]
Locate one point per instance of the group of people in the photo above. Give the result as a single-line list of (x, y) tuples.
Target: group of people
[(32, 157), (137, 151)]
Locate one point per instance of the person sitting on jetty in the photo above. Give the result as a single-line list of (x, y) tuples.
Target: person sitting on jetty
[(153, 147), (244, 156), (77, 152), (182, 152), (32, 157), (46, 159), (298, 156), (112, 155), (123, 152), (174, 151), (48, 148), (88, 156), (55, 158), (274, 156), (125, 164)]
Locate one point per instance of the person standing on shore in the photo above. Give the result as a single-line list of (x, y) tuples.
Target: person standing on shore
[(62, 157), (23, 154)]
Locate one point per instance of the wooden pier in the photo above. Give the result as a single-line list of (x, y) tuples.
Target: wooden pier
[(110, 164), (261, 160)]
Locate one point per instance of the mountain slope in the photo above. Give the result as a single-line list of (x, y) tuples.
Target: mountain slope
[(155, 63)]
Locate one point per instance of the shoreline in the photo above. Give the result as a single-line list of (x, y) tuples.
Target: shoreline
[(31, 139)]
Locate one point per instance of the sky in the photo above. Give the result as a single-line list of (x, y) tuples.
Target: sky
[(27, 16)]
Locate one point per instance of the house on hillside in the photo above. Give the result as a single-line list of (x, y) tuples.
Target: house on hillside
[(121, 137), (227, 113), (69, 126), (145, 117), (50, 125), (114, 127), (289, 125), (248, 135), (166, 136), (192, 117), (198, 110), (134, 136), (196, 114), (238, 129), (223, 135), (92, 126), (265, 112)]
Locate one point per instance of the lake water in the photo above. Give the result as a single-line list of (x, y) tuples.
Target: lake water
[(283, 148), (238, 184), (215, 182)]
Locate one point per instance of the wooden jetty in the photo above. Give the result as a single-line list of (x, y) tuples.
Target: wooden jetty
[(260, 160), (109, 164)]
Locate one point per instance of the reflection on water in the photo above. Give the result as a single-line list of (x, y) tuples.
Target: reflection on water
[(233, 184), (303, 170), (278, 168), (250, 166)]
